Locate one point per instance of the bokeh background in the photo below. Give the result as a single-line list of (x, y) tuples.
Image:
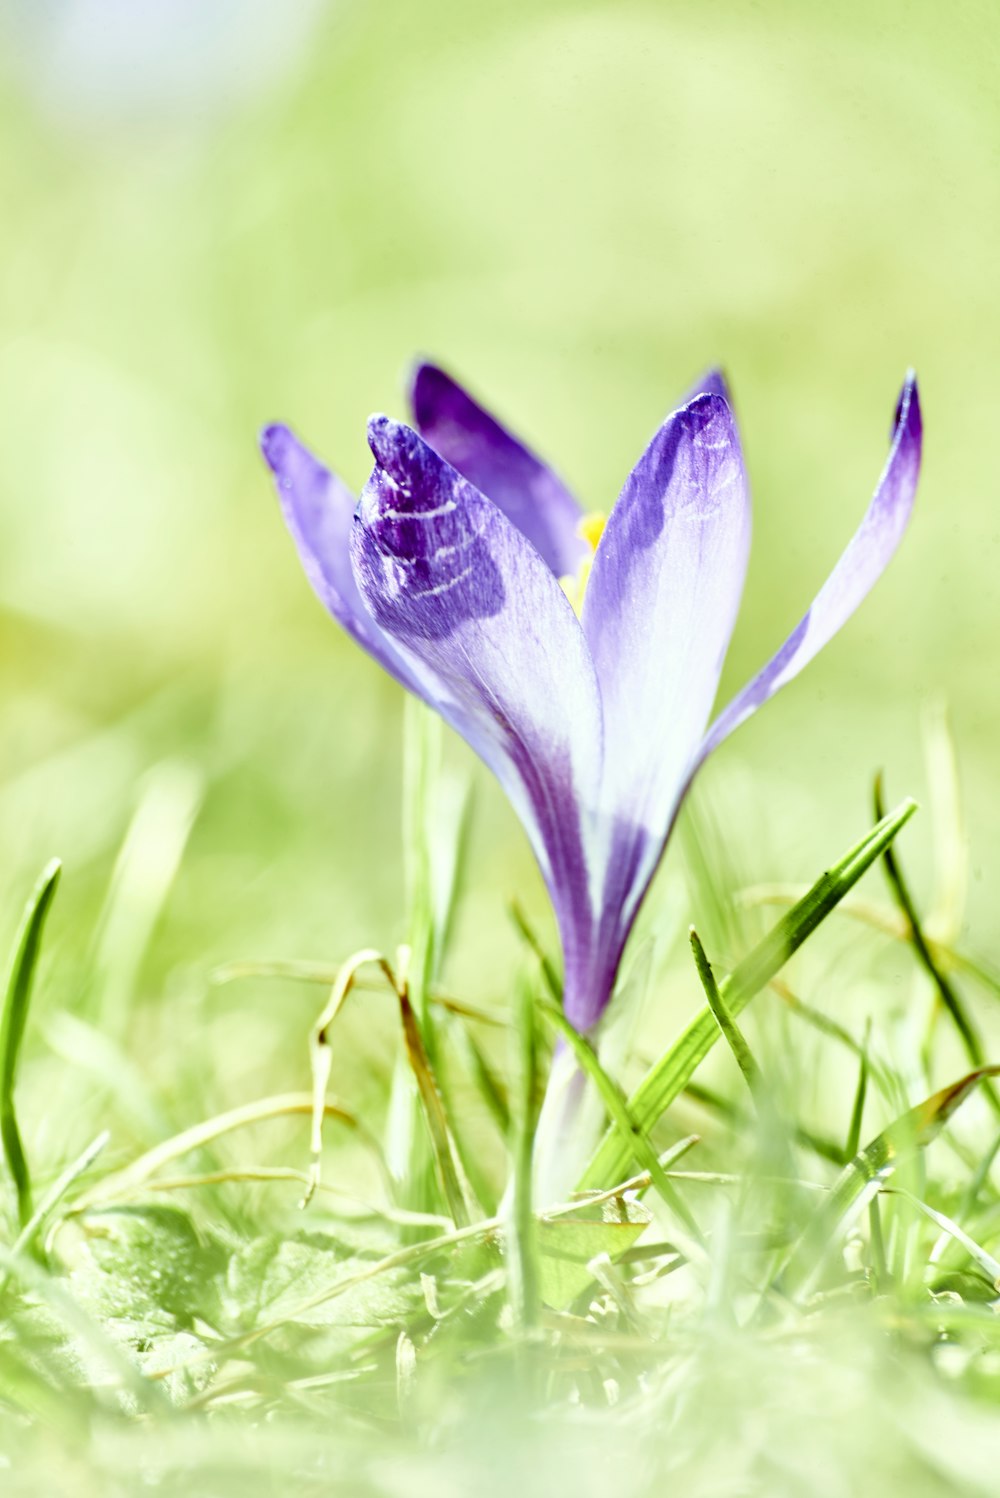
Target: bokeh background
[(218, 214)]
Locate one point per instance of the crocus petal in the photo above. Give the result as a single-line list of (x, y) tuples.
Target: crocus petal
[(860, 567), (463, 592), (318, 510), (527, 491), (658, 614)]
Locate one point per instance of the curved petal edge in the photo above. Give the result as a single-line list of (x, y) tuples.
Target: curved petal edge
[(318, 509), (867, 555)]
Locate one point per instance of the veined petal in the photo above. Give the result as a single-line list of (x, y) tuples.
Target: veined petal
[(318, 510), (462, 591), (528, 492), (862, 564), (658, 614)]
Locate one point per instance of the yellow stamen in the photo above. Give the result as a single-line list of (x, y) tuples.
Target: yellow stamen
[(590, 529)]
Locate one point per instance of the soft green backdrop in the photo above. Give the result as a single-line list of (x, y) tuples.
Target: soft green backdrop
[(577, 207)]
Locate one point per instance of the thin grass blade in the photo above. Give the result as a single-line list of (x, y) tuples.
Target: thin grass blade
[(671, 1074), (946, 990), (525, 1275), (735, 1039), (860, 1097), (979, 1255), (635, 1144), (12, 1026), (863, 1178), (455, 1190)]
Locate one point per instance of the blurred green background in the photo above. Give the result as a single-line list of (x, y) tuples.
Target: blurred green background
[(217, 215)]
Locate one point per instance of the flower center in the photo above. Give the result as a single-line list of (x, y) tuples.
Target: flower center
[(590, 529)]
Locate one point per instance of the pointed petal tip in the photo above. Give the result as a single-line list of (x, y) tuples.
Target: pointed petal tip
[(412, 377), (391, 442), (276, 441), (297, 471), (424, 383), (866, 557), (908, 412), (382, 436), (438, 402), (709, 410), (378, 423), (707, 400), (714, 382), (400, 453), (710, 382)]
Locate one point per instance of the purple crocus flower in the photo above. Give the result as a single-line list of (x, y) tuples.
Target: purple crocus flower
[(457, 572)]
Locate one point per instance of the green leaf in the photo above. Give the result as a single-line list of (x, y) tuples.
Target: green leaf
[(568, 1245), (178, 1363), (288, 1279), (15, 1016), (150, 1266), (63, 1306), (671, 1074)]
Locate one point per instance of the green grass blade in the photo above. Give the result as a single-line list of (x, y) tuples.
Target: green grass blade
[(706, 1097), (469, 1155), (552, 980), (879, 1270), (861, 1180), (735, 1038), (634, 1142), (488, 1084), (946, 990), (986, 1262), (671, 1074), (435, 808), (435, 834), (421, 758), (434, 1114), (15, 1016), (525, 1277), (407, 1141), (860, 1096), (55, 1194), (816, 1018)]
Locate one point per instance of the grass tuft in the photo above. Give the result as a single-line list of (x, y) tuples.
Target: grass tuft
[(177, 1288)]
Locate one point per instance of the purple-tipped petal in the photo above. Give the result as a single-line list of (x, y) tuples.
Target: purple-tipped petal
[(461, 591), (712, 382), (527, 491), (862, 564), (318, 510), (658, 614)]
